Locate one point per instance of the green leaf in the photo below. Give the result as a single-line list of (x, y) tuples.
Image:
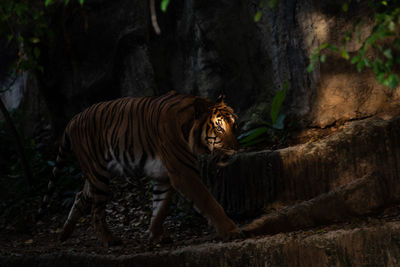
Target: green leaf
[(334, 48), (391, 26), (258, 16), (253, 134), (277, 103), (280, 122), (366, 62), (66, 2), (360, 65), (34, 40), (323, 58), (316, 51), (345, 55), (388, 65), (48, 2), (384, 3), (380, 77), (323, 46), (310, 67), (272, 3), (388, 53), (345, 7), (81, 2), (164, 5), (395, 81), (370, 40), (392, 81), (377, 66), (314, 57), (355, 59), (19, 8)]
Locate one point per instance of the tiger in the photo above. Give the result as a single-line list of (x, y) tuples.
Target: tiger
[(159, 137)]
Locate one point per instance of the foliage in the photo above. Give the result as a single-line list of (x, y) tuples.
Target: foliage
[(276, 118), (262, 5), (18, 203), (66, 2), (263, 133), (26, 26), (383, 42), (39, 158), (164, 5), (10, 162)]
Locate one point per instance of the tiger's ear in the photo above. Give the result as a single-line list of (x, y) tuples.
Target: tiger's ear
[(221, 98)]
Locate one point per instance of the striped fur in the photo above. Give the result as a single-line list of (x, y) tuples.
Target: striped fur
[(154, 136)]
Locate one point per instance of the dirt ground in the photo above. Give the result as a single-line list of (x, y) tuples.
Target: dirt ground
[(128, 215)]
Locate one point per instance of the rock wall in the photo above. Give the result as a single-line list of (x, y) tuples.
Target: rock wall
[(303, 172), (108, 49), (206, 47)]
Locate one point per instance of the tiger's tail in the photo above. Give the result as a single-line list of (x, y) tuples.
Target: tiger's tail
[(63, 151)]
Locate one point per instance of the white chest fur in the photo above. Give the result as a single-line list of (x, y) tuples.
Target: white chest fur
[(154, 168)]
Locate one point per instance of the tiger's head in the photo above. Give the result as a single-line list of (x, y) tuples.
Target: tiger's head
[(220, 129)]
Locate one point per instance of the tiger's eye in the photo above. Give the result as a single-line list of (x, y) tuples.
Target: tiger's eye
[(220, 129)]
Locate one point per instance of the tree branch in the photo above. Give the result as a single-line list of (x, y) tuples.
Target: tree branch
[(154, 17)]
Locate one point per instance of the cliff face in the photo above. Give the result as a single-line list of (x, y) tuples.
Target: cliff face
[(357, 165), (206, 47), (108, 49)]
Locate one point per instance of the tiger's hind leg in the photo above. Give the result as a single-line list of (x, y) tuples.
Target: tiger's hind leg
[(162, 195), (80, 208), (99, 201)]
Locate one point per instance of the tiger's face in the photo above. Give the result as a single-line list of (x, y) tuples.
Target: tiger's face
[(220, 129)]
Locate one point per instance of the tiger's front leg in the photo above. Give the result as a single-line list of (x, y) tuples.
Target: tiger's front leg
[(193, 189)]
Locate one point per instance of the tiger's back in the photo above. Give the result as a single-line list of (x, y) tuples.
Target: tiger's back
[(111, 134)]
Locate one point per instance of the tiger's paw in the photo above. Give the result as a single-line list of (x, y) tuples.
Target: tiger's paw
[(164, 238), (66, 232), (111, 241), (232, 235)]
